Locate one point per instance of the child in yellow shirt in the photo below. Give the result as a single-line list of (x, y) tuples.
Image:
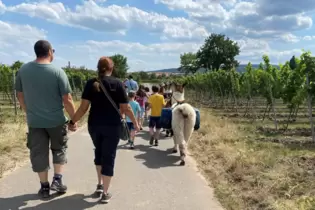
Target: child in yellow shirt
[(156, 104)]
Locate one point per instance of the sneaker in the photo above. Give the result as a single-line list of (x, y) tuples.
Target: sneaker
[(106, 198), (57, 186), (44, 192), (151, 140), (132, 146), (156, 143), (99, 189)]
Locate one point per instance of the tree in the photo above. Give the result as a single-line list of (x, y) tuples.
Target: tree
[(218, 52), (120, 65), (16, 65), (292, 63), (143, 75), (188, 63), (153, 76)]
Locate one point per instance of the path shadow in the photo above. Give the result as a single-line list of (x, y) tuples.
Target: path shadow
[(155, 158), (71, 202), (146, 135)]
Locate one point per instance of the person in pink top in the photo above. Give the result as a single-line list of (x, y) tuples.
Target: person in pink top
[(147, 91), (141, 98)]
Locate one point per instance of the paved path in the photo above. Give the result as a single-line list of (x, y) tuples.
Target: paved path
[(147, 178)]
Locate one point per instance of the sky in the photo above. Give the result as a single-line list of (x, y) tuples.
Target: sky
[(153, 33)]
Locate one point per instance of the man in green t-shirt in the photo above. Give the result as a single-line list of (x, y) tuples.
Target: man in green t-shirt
[(43, 91)]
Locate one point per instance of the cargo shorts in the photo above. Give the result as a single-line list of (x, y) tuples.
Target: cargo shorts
[(38, 142)]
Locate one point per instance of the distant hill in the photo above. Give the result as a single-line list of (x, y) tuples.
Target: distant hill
[(241, 68)]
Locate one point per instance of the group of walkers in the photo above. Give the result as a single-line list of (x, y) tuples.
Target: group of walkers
[(141, 101), (43, 91)]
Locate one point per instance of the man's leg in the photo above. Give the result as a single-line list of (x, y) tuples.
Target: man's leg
[(38, 144), (157, 131), (59, 145), (151, 129)]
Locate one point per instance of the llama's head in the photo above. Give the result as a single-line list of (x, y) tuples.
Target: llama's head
[(178, 93)]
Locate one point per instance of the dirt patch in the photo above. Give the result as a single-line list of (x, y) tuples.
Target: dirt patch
[(249, 174)]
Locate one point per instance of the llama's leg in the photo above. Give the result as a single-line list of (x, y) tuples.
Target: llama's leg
[(177, 128), (182, 152), (175, 145)]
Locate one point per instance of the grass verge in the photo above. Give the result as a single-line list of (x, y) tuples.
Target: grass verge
[(13, 150), (249, 174)]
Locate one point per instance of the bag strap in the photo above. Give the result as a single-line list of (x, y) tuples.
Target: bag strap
[(109, 97)]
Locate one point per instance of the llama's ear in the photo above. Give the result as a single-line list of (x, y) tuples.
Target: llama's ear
[(185, 83)]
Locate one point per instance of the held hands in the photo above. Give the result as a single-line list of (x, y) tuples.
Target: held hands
[(72, 126)]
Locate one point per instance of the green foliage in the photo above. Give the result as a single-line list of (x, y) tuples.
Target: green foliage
[(146, 77), (120, 65), (188, 63), (218, 52), (7, 75), (78, 77), (266, 81), (17, 65)]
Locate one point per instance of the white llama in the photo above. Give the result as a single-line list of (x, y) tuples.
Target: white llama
[(183, 121)]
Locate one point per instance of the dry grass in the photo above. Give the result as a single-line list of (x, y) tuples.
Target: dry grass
[(13, 150), (248, 174)]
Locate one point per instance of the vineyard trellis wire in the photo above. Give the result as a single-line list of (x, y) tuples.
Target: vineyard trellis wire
[(265, 89)]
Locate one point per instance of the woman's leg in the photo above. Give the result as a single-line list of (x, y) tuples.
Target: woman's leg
[(151, 130), (142, 117), (110, 140), (97, 142)]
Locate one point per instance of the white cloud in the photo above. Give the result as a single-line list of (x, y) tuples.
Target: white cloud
[(309, 38), (246, 17), (120, 19), (290, 38), (245, 21), (16, 41)]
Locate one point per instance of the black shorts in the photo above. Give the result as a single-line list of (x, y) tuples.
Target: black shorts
[(155, 122), (130, 125)]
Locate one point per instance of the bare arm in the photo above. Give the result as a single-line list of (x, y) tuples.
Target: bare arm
[(20, 97), (127, 110), (84, 106), (19, 91), (68, 104)]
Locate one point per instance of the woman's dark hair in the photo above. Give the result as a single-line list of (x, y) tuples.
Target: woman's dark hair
[(146, 89), (155, 89), (141, 87), (141, 93), (105, 64)]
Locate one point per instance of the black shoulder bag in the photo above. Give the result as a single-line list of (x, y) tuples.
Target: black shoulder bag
[(124, 133)]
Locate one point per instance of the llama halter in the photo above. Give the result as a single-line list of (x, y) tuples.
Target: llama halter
[(178, 97)]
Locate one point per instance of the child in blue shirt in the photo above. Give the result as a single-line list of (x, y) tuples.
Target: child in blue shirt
[(136, 111)]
